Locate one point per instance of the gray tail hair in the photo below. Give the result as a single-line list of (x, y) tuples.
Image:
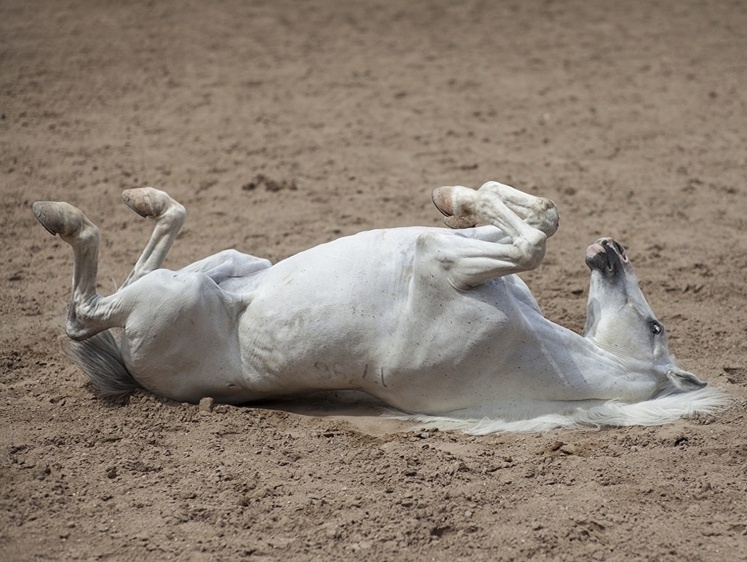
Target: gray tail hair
[(100, 359)]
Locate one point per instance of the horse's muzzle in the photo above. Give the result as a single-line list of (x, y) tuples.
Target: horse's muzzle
[(606, 256)]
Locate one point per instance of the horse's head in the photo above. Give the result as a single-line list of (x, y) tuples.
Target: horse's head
[(621, 322)]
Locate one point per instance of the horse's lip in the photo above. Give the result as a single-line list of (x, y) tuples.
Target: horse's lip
[(604, 255), (594, 249)]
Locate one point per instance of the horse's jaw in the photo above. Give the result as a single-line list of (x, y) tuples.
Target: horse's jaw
[(660, 377)]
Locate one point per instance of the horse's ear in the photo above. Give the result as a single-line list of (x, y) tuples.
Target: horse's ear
[(683, 380)]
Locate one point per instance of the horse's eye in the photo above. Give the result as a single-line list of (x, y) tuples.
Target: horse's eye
[(656, 328)]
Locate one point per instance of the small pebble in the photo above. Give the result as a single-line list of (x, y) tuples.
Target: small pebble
[(206, 404)]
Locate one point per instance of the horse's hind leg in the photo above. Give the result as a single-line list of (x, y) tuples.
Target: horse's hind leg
[(92, 346), (88, 313), (168, 215), (470, 259)]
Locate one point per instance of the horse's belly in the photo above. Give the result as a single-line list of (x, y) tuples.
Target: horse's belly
[(408, 359), (312, 346), (349, 315)]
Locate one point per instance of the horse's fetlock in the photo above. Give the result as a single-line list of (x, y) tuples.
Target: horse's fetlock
[(174, 214), (484, 205), (550, 218), (89, 234)]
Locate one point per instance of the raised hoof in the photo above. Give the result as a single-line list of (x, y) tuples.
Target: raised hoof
[(59, 217), (148, 202), (454, 217)]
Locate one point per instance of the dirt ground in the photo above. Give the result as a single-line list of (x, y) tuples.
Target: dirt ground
[(284, 124)]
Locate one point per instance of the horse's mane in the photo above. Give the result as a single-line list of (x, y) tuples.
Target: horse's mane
[(657, 411)]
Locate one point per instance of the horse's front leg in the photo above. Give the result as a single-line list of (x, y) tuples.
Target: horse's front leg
[(524, 223)]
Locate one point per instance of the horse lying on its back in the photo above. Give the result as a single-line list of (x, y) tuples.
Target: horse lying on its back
[(433, 322)]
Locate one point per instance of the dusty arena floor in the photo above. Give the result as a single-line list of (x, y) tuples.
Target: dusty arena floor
[(284, 124)]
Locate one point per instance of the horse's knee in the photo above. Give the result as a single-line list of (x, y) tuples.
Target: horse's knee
[(531, 251), (547, 218)]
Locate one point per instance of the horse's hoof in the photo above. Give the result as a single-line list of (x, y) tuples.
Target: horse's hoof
[(444, 198), (58, 217), (459, 222), (147, 202)]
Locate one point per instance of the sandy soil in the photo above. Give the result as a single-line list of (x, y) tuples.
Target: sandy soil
[(283, 124)]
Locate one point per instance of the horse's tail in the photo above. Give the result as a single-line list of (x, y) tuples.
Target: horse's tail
[(101, 360)]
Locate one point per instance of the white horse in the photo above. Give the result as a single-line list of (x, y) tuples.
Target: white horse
[(433, 322)]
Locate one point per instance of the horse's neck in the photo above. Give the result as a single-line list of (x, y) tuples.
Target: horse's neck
[(586, 371)]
